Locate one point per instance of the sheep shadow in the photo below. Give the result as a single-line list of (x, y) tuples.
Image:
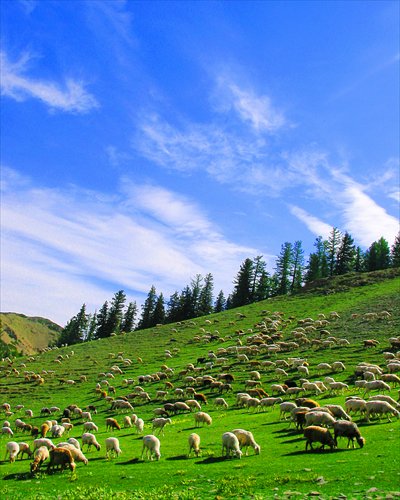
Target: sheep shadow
[(191, 428), (211, 460), (296, 440), (178, 457), (131, 462), (315, 451), (19, 477)]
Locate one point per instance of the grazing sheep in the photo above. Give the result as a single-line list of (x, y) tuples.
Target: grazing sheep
[(286, 407), (319, 418), (381, 397), (62, 457), (44, 429), (112, 447), (202, 418), (221, 402), (338, 366), (252, 403), (311, 387), (12, 449), (269, 402), (7, 430), (338, 412), (349, 430), (37, 443), (57, 431), (317, 434), (151, 444), (90, 440), (309, 403), (194, 444), (246, 439), (338, 386), (41, 454), (24, 448), (139, 424), (198, 396), (277, 389), (181, 406), (375, 385), (193, 404), (160, 423), (111, 423), (230, 445), (75, 443), (90, 426), (381, 408), (355, 405), (76, 453)]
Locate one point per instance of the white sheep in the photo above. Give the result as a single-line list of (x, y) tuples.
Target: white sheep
[(41, 454), (202, 418), (37, 443), (112, 447), (355, 405), (381, 408), (221, 402), (76, 453), (160, 423), (286, 407), (90, 440), (338, 412), (252, 403), (338, 366), (230, 445), (375, 385), (151, 444), (193, 404), (127, 421), (194, 444), (24, 448), (139, 424), (246, 439), (57, 431), (7, 430), (74, 442), (382, 397), (12, 449), (311, 387), (90, 426), (319, 418)]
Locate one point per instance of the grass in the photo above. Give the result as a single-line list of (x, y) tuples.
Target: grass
[(282, 470)]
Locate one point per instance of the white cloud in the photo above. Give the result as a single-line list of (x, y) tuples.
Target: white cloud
[(315, 225), (70, 97), (70, 246)]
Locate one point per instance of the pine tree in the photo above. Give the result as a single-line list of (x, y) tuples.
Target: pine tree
[(206, 296), (318, 262), (345, 261), (264, 289), (128, 323), (259, 266), (282, 267), (115, 314), (241, 294), (75, 330), (187, 306), (378, 255), (195, 292), (148, 309), (332, 249), (220, 303), (395, 252), (102, 322), (174, 309), (92, 326), (159, 311), (359, 260), (296, 267)]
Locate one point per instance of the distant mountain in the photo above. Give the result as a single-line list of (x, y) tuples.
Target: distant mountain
[(25, 334)]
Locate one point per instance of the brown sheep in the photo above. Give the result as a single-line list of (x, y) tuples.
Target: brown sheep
[(44, 429), (198, 396), (309, 403), (62, 457), (314, 433), (111, 423)]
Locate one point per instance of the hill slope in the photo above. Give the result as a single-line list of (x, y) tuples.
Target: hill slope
[(27, 334)]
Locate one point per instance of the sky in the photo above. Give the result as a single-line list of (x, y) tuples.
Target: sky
[(146, 142)]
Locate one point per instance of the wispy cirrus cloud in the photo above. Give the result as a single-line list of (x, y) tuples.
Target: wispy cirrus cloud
[(313, 223), (70, 97), (63, 247)]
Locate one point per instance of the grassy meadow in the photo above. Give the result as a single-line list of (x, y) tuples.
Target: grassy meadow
[(283, 469)]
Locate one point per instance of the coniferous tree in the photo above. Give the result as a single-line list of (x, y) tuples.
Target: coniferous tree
[(187, 308), (195, 292), (128, 323), (206, 296), (264, 289), (102, 322), (395, 252), (359, 259), (296, 267), (332, 249), (115, 313), (241, 294), (259, 266), (92, 326), (159, 311), (174, 308), (318, 262), (345, 259), (220, 303), (148, 307), (75, 330), (378, 255), (283, 263)]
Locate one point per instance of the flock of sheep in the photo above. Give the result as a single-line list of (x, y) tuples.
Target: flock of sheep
[(258, 351)]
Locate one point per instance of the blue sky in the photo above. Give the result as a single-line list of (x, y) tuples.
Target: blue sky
[(145, 142)]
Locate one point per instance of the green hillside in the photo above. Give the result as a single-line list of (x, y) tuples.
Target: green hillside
[(27, 335), (283, 469)]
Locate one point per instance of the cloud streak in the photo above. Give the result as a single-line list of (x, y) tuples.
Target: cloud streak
[(71, 97), (80, 246)]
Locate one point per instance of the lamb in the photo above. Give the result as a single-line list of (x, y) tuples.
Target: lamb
[(57, 431), (41, 454), (37, 443), (160, 423), (230, 445), (139, 424), (63, 457), (319, 418), (90, 440), (381, 408), (202, 418), (12, 449), (24, 448), (112, 447), (151, 444), (90, 426), (349, 430), (76, 453), (338, 412), (111, 423), (313, 434), (246, 439), (194, 444)]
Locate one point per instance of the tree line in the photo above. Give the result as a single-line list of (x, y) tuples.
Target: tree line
[(334, 256)]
